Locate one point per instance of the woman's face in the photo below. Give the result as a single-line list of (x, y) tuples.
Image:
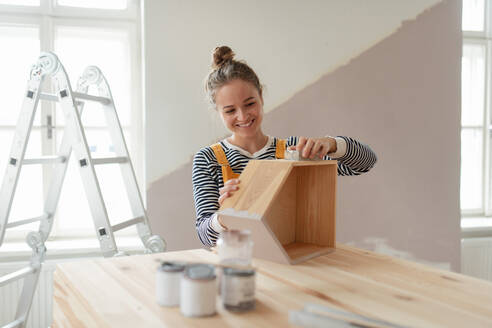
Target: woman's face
[(241, 108)]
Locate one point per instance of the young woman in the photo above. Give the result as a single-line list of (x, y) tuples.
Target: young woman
[(235, 92)]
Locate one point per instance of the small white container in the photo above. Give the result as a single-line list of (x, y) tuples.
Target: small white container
[(198, 291), (167, 283)]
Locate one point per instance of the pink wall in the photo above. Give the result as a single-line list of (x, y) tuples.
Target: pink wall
[(402, 97)]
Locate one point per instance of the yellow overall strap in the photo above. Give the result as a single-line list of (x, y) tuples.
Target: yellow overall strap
[(280, 150), (227, 172)]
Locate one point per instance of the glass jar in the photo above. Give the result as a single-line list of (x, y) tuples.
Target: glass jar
[(238, 289), (235, 247)]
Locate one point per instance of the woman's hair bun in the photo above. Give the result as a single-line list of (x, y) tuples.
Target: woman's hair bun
[(221, 55)]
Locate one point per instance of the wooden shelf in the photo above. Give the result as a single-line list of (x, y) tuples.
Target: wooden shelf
[(300, 252), (289, 206)]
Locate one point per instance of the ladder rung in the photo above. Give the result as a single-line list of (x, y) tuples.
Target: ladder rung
[(48, 96), (16, 275), (109, 160), (102, 100), (53, 97), (128, 223), (45, 160), (26, 221)]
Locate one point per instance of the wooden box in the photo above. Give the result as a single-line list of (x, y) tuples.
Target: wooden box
[(289, 206)]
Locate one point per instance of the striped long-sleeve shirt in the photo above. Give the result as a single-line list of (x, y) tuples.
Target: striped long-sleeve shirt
[(355, 158)]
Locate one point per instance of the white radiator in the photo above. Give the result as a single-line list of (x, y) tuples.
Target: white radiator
[(476, 257), (41, 314)]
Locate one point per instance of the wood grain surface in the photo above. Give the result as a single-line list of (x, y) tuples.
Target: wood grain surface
[(316, 203), (120, 292), (289, 206), (260, 182)]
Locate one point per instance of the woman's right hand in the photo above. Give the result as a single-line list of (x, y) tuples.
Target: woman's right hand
[(228, 190)]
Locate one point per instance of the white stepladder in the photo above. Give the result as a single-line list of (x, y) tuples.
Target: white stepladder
[(72, 103)]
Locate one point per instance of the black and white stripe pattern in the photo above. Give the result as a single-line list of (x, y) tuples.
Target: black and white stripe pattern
[(207, 176)]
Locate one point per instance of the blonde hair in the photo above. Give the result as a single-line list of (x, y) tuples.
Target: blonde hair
[(226, 69)]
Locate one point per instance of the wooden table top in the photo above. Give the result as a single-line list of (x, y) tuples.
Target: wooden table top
[(120, 292)]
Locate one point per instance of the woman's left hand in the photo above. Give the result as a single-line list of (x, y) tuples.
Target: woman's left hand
[(315, 147)]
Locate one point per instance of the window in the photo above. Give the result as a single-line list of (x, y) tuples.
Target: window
[(103, 33), (476, 124)]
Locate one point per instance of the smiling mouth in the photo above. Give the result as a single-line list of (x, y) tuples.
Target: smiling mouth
[(246, 125)]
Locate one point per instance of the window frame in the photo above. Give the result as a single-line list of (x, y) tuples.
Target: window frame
[(483, 38), (51, 8), (46, 17)]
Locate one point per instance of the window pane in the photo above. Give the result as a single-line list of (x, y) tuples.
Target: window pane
[(6, 137), (79, 47), (128, 139), (489, 200), (114, 193), (30, 184), (471, 169), (74, 216), (100, 143), (473, 15), (98, 4), (20, 2), (473, 84), (15, 67)]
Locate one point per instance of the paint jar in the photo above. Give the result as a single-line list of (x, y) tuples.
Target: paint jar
[(235, 247), (238, 289), (198, 291), (167, 283)]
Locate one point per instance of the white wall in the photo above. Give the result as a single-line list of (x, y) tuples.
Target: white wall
[(400, 93), (288, 42)]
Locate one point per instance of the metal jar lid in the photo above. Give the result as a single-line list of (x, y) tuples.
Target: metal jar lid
[(200, 272), (171, 267), (239, 272)]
